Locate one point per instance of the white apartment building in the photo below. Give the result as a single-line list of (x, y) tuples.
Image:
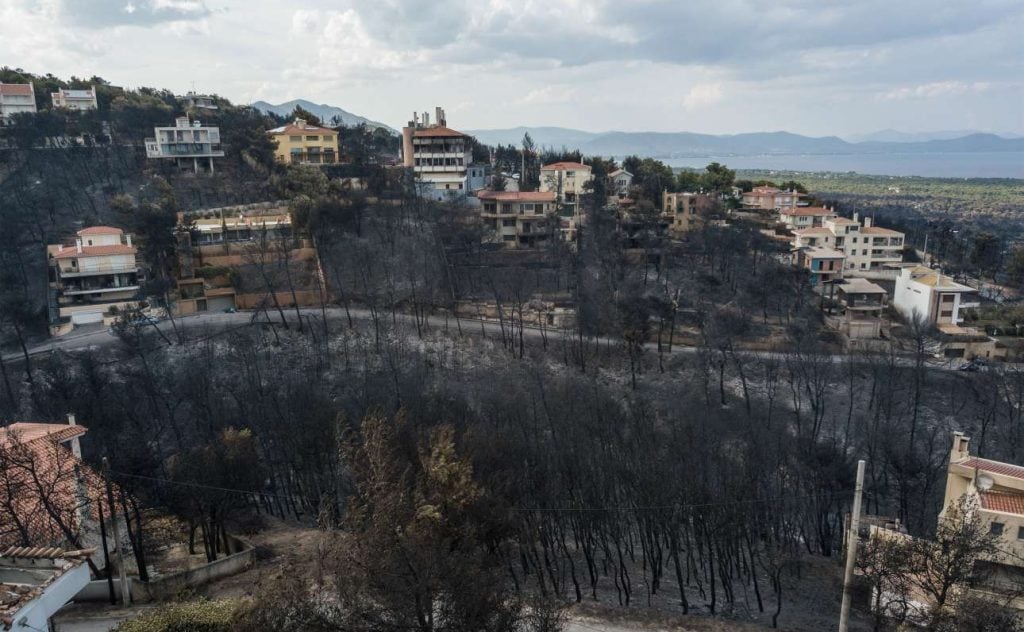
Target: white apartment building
[(438, 156), (867, 248), (96, 273), (798, 217), (16, 98), (187, 142), (79, 100), (517, 218), (932, 295)]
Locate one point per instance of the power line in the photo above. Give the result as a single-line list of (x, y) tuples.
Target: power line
[(246, 492)]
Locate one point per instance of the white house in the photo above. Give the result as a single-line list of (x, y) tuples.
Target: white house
[(16, 98), (438, 156), (867, 248), (95, 274), (187, 142), (931, 295), (621, 180), (79, 100)]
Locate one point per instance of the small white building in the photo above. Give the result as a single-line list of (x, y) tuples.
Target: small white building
[(79, 100), (16, 98), (199, 101), (931, 295), (621, 180), (187, 142), (35, 583)]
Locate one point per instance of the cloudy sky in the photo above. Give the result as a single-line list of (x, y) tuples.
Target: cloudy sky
[(815, 67)]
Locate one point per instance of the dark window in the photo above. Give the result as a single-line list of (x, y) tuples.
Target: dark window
[(996, 528), (1020, 533)]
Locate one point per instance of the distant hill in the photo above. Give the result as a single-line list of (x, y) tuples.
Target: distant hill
[(680, 144), (324, 111), (896, 136)]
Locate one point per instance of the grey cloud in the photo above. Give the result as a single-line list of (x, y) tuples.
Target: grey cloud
[(108, 13)]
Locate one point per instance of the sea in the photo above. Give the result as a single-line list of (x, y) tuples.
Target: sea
[(1001, 164)]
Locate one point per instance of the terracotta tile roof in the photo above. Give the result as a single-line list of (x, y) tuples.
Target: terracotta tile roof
[(517, 196), (100, 230), (20, 89), (996, 467), (565, 166), (38, 479), (1003, 502), (429, 132), (38, 568), (71, 252)]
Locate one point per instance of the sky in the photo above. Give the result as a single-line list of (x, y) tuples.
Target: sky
[(815, 67)]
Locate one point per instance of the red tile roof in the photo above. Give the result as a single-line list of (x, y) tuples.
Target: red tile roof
[(985, 465), (809, 211), (71, 252), (563, 166), (1004, 502), (39, 478), (517, 196), (100, 230), (429, 132), (21, 89)]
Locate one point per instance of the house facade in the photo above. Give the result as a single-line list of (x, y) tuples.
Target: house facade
[(932, 295), (517, 219), (79, 100), (301, 143), (770, 199), (799, 217), (16, 98), (620, 181), (187, 143), (681, 211), (97, 273), (438, 156), (867, 248), (36, 582), (199, 101), (822, 263)]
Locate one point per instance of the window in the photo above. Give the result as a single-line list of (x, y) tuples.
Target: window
[(295, 139), (312, 138), (996, 528), (1020, 533), (508, 222)]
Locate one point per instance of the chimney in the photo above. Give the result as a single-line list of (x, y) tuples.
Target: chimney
[(300, 123), (76, 447), (961, 445), (439, 115), (867, 222), (426, 119), (856, 217), (128, 238), (78, 244)]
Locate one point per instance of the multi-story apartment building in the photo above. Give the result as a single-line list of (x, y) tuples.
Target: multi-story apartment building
[(567, 180), (438, 156), (16, 98), (866, 247), (187, 142), (797, 217), (517, 218), (80, 100), (931, 295), (95, 274), (824, 264), (770, 199), (681, 211), (300, 143)]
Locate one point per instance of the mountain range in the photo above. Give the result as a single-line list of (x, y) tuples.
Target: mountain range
[(326, 113), (681, 144)]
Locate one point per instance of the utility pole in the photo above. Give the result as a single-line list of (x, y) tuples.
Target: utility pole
[(116, 530), (851, 549)]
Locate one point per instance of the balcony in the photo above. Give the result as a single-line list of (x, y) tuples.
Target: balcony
[(70, 273), (99, 290)]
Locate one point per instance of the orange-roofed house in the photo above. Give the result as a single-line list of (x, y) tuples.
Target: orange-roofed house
[(437, 155), (302, 143), (93, 275), (770, 198), (996, 490), (870, 250), (798, 217), (517, 218), (48, 495), (16, 98)]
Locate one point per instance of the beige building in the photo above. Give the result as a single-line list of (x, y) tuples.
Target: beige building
[(822, 263), (932, 295), (92, 276), (188, 143), (16, 98), (867, 248), (79, 100), (300, 143), (437, 155), (682, 210), (517, 218), (770, 199), (798, 217)]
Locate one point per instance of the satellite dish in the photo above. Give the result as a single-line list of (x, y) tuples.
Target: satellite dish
[(984, 482)]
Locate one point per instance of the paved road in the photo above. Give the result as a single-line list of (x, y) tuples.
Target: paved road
[(222, 321)]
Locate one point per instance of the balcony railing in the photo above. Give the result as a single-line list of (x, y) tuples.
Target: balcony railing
[(99, 290), (97, 270)]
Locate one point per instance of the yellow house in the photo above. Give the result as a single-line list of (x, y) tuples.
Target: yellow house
[(299, 143)]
